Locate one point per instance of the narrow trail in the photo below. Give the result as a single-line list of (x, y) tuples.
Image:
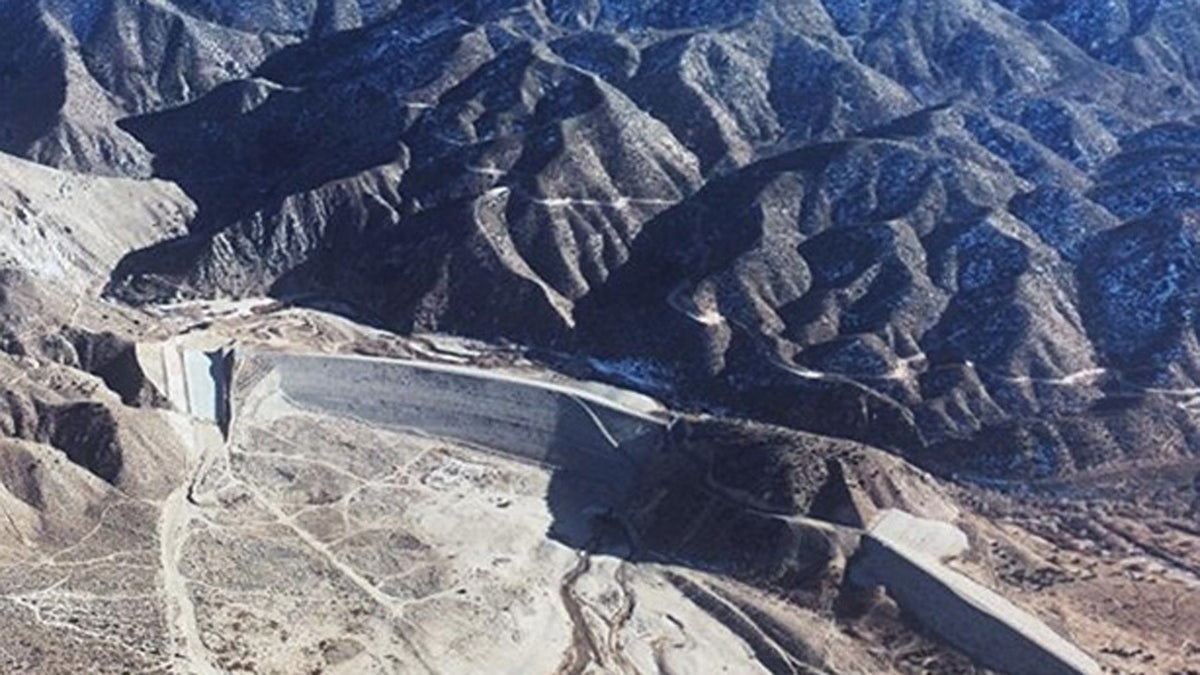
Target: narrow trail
[(906, 370), (352, 575), (12, 524), (178, 512), (187, 504), (181, 611)]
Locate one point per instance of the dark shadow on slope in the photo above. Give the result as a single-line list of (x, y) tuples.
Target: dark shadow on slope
[(715, 496), (114, 360), (311, 114), (243, 149), (86, 433), (631, 314), (235, 162), (435, 272), (655, 499), (33, 85), (733, 500), (663, 508), (684, 244), (728, 499), (253, 154)]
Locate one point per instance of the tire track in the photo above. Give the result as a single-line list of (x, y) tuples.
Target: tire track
[(582, 650), (620, 618), (181, 610)]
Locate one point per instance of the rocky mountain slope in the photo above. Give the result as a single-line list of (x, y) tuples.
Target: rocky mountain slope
[(962, 230), (71, 70), (958, 234)]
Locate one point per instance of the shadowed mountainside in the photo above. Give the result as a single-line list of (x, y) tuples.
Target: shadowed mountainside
[(960, 230)]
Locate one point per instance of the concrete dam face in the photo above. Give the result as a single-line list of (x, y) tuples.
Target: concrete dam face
[(565, 428)]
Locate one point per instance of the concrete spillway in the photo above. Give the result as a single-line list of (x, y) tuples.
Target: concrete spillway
[(196, 381)]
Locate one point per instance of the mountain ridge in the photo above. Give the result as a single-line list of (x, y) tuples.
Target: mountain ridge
[(914, 211)]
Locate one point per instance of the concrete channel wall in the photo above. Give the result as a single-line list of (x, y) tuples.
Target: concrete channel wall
[(901, 552), (553, 424)]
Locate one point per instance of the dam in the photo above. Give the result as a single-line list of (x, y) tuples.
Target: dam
[(603, 437), (598, 434)]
